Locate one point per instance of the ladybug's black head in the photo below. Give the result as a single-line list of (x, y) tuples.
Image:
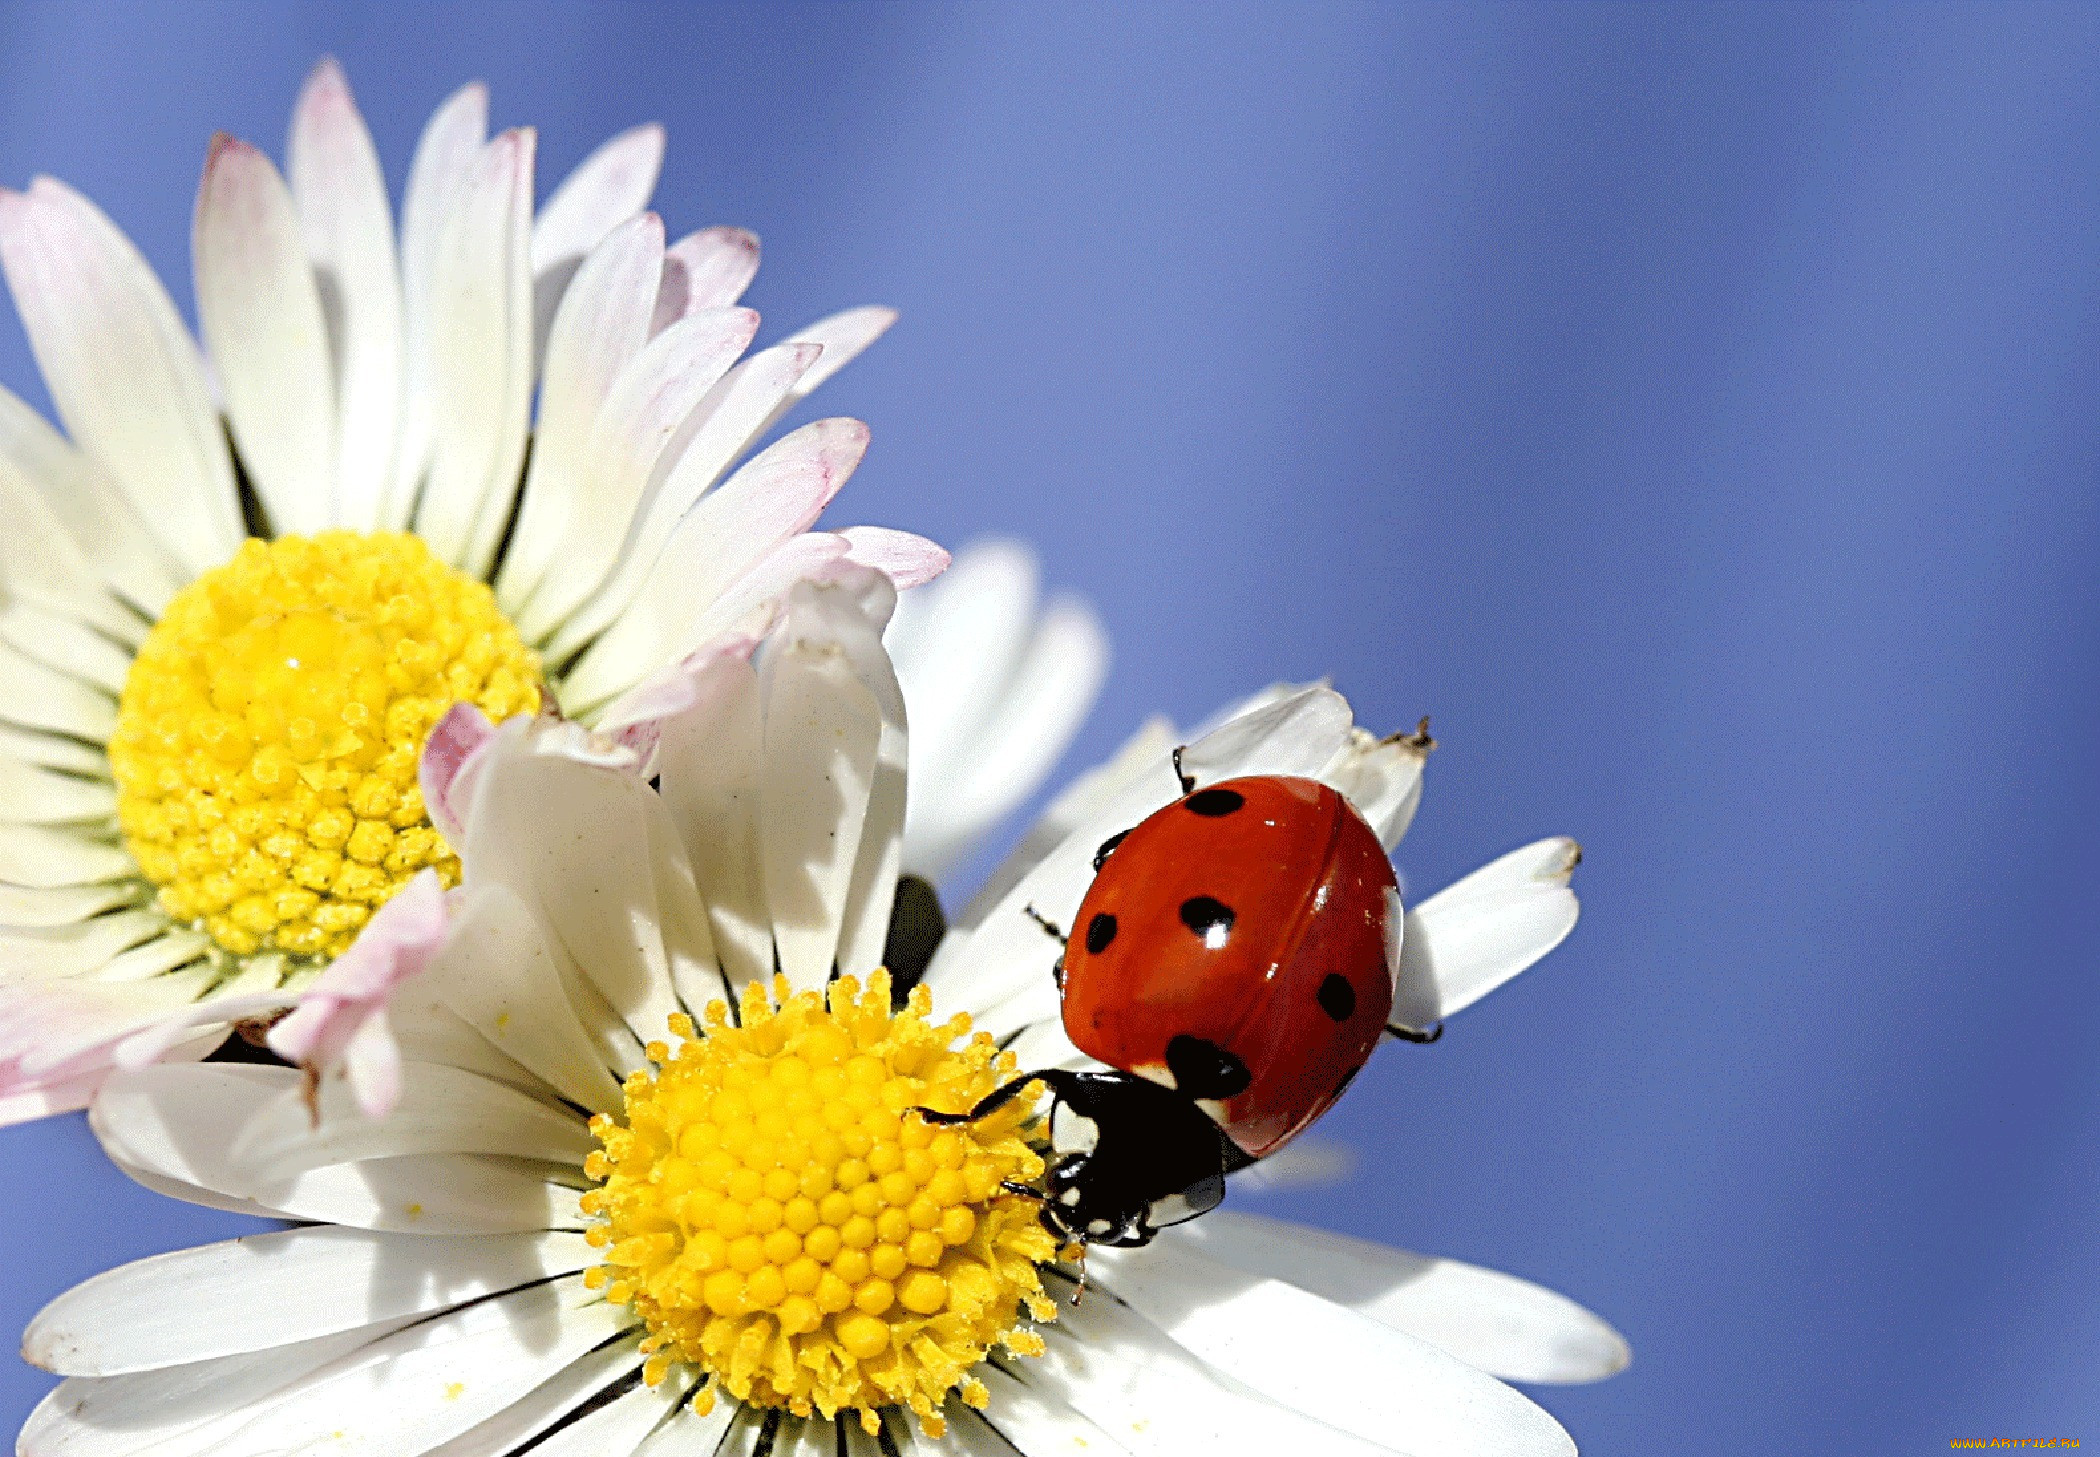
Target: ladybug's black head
[(1129, 1157)]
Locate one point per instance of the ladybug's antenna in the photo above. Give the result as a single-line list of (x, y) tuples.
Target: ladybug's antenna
[(1056, 931), (1188, 780), (1409, 1034)]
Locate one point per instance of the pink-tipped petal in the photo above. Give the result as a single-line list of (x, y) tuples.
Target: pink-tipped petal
[(445, 770), (769, 503), (438, 181), (46, 1100), (59, 1040), (636, 716), (907, 560), (606, 189), (729, 418), (157, 1042), (705, 270), (348, 228), (340, 1022), (260, 313), (844, 335), (604, 477), (480, 344), (122, 370)]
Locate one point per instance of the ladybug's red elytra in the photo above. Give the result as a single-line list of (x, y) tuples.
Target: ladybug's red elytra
[(1233, 961)]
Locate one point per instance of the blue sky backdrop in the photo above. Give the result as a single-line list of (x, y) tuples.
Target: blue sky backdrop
[(1694, 409)]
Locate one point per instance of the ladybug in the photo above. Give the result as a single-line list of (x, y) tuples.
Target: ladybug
[(1233, 963)]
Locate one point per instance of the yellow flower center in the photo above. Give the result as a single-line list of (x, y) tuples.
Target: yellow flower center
[(266, 743), (783, 1224)]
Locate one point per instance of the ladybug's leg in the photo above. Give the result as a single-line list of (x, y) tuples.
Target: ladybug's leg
[(1188, 780), (1409, 1034), (993, 1101)]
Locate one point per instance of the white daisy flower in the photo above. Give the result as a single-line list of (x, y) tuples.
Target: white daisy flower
[(247, 582), (998, 681), (641, 1195)]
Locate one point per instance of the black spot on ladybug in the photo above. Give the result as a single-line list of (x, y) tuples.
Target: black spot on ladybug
[(1202, 1069), (1210, 919), (1215, 804), (1099, 932), (1337, 997), (1108, 848)]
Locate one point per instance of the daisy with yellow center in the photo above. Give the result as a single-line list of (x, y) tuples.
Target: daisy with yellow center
[(239, 597), (642, 1195)]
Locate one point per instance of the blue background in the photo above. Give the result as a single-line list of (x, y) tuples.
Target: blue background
[(1694, 409)]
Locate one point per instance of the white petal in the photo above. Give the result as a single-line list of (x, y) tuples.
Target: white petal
[(907, 559), (122, 371), (45, 856), (1362, 1377), (601, 325), (77, 949), (1042, 1043), (22, 906), (1152, 1398), (723, 424), (1382, 779), (586, 1379), (709, 269), (774, 497), (998, 690), (425, 1385), (640, 426), (348, 229), (48, 751), (429, 1031), (497, 974), (480, 345), (620, 1426), (823, 735), (685, 1433), (1471, 937), (574, 840), (171, 1122), (447, 157), (1507, 1327), (196, 1304), (42, 565), (260, 314), (842, 336), (64, 643), (440, 1110), (29, 795), (98, 521), (38, 697), (177, 1411), (1032, 1423), (1140, 755), (880, 855), (709, 760), (956, 644), (609, 187)]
